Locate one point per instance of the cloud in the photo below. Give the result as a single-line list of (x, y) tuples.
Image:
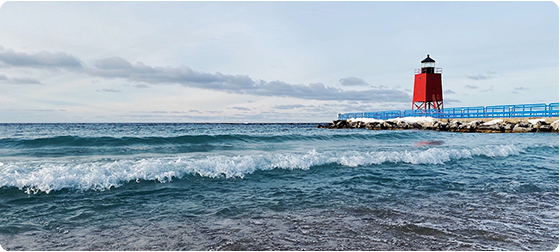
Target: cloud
[(149, 112), (449, 91), (471, 86), (142, 86), (486, 76), (109, 90), (144, 75), (488, 89), (43, 59), (293, 106), (115, 67), (18, 81), (241, 108), (352, 81), (515, 90), (452, 100)]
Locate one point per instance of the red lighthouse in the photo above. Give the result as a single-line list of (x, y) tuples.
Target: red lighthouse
[(427, 86)]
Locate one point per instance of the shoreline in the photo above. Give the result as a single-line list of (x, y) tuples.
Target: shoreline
[(467, 125)]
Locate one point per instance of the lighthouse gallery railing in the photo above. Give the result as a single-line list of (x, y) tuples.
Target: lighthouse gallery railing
[(519, 110)]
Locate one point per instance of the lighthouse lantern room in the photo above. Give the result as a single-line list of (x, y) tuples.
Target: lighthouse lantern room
[(427, 86)]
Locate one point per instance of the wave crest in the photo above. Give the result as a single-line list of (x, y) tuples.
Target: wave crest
[(46, 176)]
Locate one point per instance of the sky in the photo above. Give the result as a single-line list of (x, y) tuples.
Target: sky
[(73, 62)]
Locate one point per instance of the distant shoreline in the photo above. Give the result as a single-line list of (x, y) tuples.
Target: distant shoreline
[(471, 125)]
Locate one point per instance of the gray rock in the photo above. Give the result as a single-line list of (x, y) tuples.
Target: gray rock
[(539, 124), (508, 126), (341, 124), (520, 128), (455, 125), (475, 123), (387, 125), (554, 126), (524, 124), (544, 128), (490, 128)]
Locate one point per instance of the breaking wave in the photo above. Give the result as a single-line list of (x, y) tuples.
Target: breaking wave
[(102, 174)]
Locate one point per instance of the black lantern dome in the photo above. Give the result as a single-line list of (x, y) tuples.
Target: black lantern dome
[(428, 65), (428, 59)]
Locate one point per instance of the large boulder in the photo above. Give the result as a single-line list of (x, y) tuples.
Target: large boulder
[(490, 128), (416, 125), (430, 125), (387, 125), (373, 125), (544, 128), (454, 126), (464, 128), (507, 127), (340, 124), (402, 125), (554, 126), (361, 125), (443, 126), (521, 128)]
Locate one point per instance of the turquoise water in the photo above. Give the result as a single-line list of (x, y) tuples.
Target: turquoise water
[(274, 187)]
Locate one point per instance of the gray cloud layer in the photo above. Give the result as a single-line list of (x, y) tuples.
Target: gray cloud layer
[(452, 101), (116, 67), (486, 76), (241, 108), (109, 90), (352, 81), (17, 81), (293, 106), (471, 86), (10, 58)]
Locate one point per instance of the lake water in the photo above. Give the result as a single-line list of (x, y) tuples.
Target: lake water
[(274, 187)]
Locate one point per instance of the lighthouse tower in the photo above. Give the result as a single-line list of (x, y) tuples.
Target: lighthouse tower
[(427, 86)]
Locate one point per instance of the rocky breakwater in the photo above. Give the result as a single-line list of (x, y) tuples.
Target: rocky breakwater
[(505, 125)]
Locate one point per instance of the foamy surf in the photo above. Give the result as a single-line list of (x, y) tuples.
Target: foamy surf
[(46, 176)]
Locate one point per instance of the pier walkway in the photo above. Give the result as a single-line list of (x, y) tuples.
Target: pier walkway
[(496, 111)]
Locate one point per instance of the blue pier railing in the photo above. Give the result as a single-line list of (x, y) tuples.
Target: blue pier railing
[(518, 110)]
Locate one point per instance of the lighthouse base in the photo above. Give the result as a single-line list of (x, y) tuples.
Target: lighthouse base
[(426, 105)]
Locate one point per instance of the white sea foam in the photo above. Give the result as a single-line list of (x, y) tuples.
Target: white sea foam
[(46, 176)]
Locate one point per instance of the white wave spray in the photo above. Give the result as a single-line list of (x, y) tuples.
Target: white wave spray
[(56, 174)]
